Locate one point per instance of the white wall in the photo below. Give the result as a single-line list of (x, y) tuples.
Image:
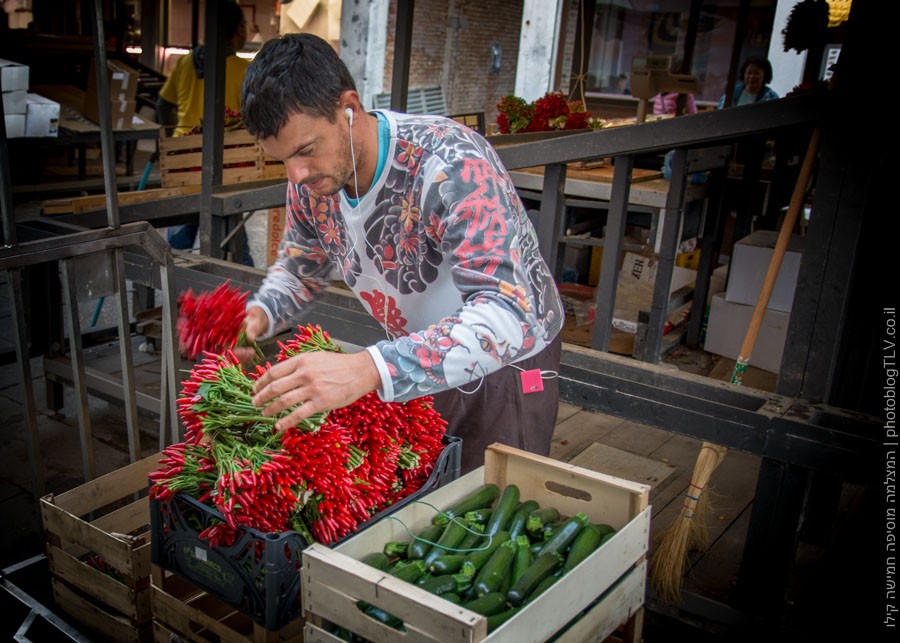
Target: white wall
[(787, 66), (538, 45)]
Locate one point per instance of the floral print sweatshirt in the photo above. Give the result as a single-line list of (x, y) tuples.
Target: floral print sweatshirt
[(439, 250)]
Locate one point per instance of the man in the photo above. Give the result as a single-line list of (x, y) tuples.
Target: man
[(179, 106), (424, 224)]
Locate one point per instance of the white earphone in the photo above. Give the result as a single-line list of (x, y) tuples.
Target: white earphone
[(349, 113)]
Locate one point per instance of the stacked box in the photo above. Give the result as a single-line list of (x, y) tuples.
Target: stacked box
[(122, 81), (591, 601), (13, 86), (41, 116), (98, 550), (259, 574)]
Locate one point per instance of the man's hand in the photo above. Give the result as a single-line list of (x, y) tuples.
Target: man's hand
[(255, 324), (320, 381)]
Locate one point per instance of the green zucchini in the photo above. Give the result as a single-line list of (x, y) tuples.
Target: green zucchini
[(395, 549), (475, 559), (520, 518), (542, 587), (540, 517), (606, 538), (564, 536), (496, 620), (411, 572), (453, 597), (447, 564), (543, 566), (587, 540), (523, 557), (488, 604), (424, 541), (376, 559), (491, 575), (482, 497), (504, 510), (478, 516), (474, 539), (604, 528), (453, 535), (384, 617), (439, 584)]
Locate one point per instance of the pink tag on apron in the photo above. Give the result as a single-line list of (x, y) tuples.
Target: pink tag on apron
[(531, 381)]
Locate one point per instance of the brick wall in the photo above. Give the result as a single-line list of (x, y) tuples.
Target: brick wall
[(451, 46)]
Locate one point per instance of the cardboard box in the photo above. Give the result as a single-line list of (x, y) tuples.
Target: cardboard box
[(122, 91), (13, 76), (749, 264), (727, 328), (634, 289), (41, 116), (15, 125), (602, 592), (14, 102)]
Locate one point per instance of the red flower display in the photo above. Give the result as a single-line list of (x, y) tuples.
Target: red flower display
[(552, 111)]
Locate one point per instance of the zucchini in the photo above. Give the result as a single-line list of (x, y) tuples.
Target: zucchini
[(395, 549), (523, 557), (475, 559), (540, 517), (543, 566), (376, 559), (520, 517), (439, 584), (453, 597), (482, 497), (411, 572), (384, 617), (478, 516), (474, 540), (604, 528), (491, 575), (504, 510), (542, 587), (488, 604), (606, 538), (564, 536), (447, 564), (496, 620), (424, 541), (587, 540), (453, 534)]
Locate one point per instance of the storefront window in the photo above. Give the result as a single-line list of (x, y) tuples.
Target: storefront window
[(624, 29)]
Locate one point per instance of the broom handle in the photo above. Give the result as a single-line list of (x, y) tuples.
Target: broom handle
[(784, 237)]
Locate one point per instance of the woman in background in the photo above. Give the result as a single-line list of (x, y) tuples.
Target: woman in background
[(754, 88)]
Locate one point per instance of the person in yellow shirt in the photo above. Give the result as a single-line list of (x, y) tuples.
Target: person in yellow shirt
[(179, 105)]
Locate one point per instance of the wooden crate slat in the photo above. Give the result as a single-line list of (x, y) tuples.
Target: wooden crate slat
[(130, 602), (109, 625), (108, 488), (127, 519)]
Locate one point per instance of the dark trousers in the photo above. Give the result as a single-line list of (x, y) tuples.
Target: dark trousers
[(499, 411)]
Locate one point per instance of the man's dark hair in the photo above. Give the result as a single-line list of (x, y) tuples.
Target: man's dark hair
[(763, 64), (296, 73)]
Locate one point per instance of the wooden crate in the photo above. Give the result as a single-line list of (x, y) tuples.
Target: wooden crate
[(102, 518), (70, 205), (593, 600), (185, 612), (180, 159)]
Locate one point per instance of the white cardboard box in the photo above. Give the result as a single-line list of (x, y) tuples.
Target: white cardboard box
[(14, 102), (41, 116), (15, 125), (13, 76), (750, 263), (635, 285), (727, 328)]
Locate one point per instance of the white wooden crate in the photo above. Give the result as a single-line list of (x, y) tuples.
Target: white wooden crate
[(609, 583)]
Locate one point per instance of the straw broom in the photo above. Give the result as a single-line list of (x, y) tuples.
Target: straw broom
[(689, 529)]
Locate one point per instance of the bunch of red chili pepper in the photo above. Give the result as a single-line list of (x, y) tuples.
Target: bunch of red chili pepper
[(211, 321), (321, 478)]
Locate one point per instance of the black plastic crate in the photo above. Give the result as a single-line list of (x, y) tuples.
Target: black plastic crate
[(259, 574)]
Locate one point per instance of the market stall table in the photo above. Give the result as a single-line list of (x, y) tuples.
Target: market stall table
[(77, 131)]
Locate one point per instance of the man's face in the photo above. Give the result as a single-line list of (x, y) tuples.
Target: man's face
[(315, 152)]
